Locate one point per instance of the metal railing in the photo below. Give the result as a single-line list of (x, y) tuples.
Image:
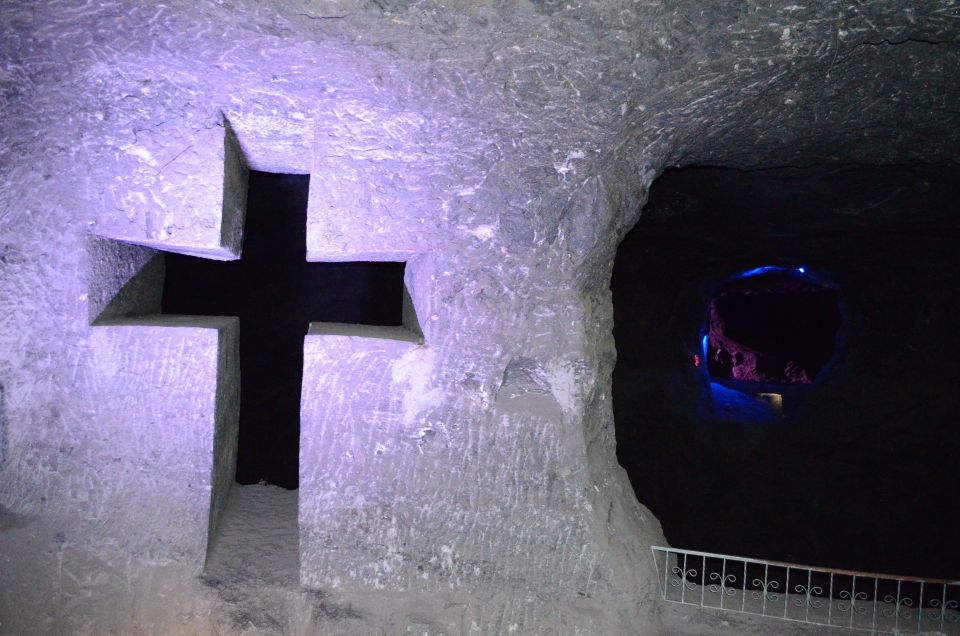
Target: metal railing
[(862, 601)]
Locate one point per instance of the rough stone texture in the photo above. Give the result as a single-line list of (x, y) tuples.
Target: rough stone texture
[(142, 505), (349, 218), (167, 202), (169, 446), (360, 400), (504, 147)]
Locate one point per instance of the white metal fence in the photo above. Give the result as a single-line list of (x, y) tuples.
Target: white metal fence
[(874, 603)]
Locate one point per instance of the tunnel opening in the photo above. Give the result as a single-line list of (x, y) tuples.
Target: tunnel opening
[(768, 334), (778, 326), (842, 459)]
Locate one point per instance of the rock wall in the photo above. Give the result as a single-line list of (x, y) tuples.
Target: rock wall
[(502, 149)]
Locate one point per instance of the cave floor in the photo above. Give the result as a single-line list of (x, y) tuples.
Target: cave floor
[(257, 541)]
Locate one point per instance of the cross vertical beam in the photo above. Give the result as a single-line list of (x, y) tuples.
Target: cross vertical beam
[(276, 294)]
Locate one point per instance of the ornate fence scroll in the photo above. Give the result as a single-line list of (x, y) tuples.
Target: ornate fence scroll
[(861, 601)]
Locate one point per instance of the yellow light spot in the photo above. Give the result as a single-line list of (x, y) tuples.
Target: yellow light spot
[(775, 400)]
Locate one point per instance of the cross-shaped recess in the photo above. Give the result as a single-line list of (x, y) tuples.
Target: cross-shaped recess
[(276, 294)]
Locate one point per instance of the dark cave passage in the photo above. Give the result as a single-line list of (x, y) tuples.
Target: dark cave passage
[(276, 294), (858, 470), (774, 327)]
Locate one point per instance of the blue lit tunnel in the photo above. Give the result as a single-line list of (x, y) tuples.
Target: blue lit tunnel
[(767, 333)]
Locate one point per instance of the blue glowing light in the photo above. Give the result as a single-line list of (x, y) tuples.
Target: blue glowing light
[(767, 269), (756, 271), (730, 404), (704, 345)]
